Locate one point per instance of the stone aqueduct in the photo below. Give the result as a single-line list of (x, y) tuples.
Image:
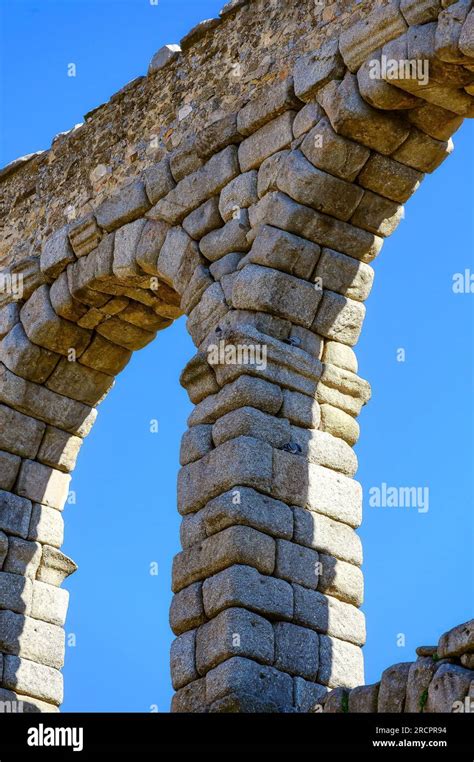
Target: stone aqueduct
[(248, 182)]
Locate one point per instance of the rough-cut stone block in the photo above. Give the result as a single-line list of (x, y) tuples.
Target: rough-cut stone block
[(59, 449), (340, 663), (183, 667), (308, 185), (279, 210), (43, 484), (242, 505), (362, 38), (308, 694), (420, 11), (196, 443), (345, 275), (284, 251), (55, 566), (84, 235), (185, 160), (341, 580), (62, 301), (329, 615), (125, 334), (125, 246), (178, 259), (300, 409), (23, 557), (334, 153), (45, 328), (336, 701), (325, 450), (239, 194), (105, 356), (9, 467), (307, 118), (334, 495), (245, 390), (419, 678), (217, 135), (341, 355), (267, 290), (15, 593), (186, 611), (226, 265), (49, 603), (152, 238), (448, 32), (191, 698), (46, 525), (32, 679), (198, 379), (194, 189), (56, 254), (268, 172), (15, 513), (296, 650), (271, 688), (244, 586), (457, 641), (243, 461), (295, 563), (192, 530), (235, 545), (234, 632), (390, 178), (466, 38), (381, 94), (378, 214), (74, 380), (315, 69), (26, 359), (164, 56), (9, 316), (393, 688), (3, 547), (207, 314), (353, 118), (199, 282), (231, 237), (39, 641), (363, 699), (435, 121), (204, 219), (158, 180), (324, 534), (126, 205), (269, 103), (272, 137), (422, 152), (248, 421), (450, 684), (339, 423), (28, 704), (339, 318)]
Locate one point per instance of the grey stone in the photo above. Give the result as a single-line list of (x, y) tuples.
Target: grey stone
[(272, 688), (183, 667), (15, 593), (340, 663), (306, 119), (185, 159), (126, 205), (199, 31), (49, 603), (269, 103), (74, 380), (316, 69), (158, 180), (191, 698), (419, 678), (420, 11), (59, 449), (341, 580), (23, 557), (450, 684), (204, 219), (377, 214), (284, 251), (458, 641), (15, 513), (389, 178), (84, 235), (105, 356), (339, 318), (192, 529), (272, 137), (246, 506), (32, 679), (152, 238), (239, 194), (45, 328), (393, 688), (26, 359), (336, 701), (269, 170), (296, 650), (226, 265), (217, 134), (230, 238), (328, 615), (248, 421), (9, 316), (323, 449), (56, 253), (164, 56), (362, 38), (324, 534), (345, 275), (9, 467), (187, 610), (244, 586), (333, 153), (196, 442), (178, 259), (308, 694), (46, 525), (234, 632), (39, 641), (125, 246), (43, 484), (364, 699), (55, 566), (339, 423), (296, 563), (300, 409), (448, 33)]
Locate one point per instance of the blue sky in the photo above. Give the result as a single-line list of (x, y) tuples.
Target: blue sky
[(416, 432)]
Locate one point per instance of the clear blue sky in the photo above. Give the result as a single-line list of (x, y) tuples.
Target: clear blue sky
[(416, 431)]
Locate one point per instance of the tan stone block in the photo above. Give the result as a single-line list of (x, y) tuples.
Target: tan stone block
[(44, 327), (105, 356), (43, 484), (84, 384), (272, 137)]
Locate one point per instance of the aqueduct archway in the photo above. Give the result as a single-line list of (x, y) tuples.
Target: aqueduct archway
[(255, 208)]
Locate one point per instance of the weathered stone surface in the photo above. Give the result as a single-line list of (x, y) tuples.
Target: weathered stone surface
[(196, 443), (75, 380), (185, 159), (32, 679), (269, 103), (295, 563), (3, 547), (46, 525), (43, 484), (422, 152), (84, 235), (15, 513), (339, 423), (207, 314), (340, 663), (178, 259), (15, 593), (339, 318), (152, 238), (56, 253), (336, 701), (164, 56), (420, 11), (227, 264), (381, 94), (125, 245), (451, 683), (192, 530), (28, 704), (335, 154), (183, 667), (248, 421), (284, 251), (341, 580), (307, 118), (419, 678), (198, 31), (362, 38), (300, 409), (332, 537), (448, 32), (125, 334), (467, 660), (267, 290), (353, 118), (158, 180), (272, 137), (231, 237), (345, 275), (296, 650), (308, 185), (9, 316), (466, 38), (378, 214), (340, 355), (204, 219), (242, 505), (23, 557), (187, 611), (191, 698), (239, 194), (105, 356), (198, 379), (39, 641), (268, 172), (244, 586), (280, 211), (329, 615), (194, 189), (9, 467), (235, 545), (457, 641), (389, 178), (45, 328), (199, 282), (49, 603), (435, 121), (393, 688), (24, 358), (234, 632), (126, 205), (273, 689), (363, 699), (316, 69), (55, 566), (308, 694), (62, 301)]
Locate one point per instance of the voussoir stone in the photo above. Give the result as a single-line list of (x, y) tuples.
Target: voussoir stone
[(125, 205)]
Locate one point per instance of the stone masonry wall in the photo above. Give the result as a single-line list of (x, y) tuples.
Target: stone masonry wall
[(257, 214)]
